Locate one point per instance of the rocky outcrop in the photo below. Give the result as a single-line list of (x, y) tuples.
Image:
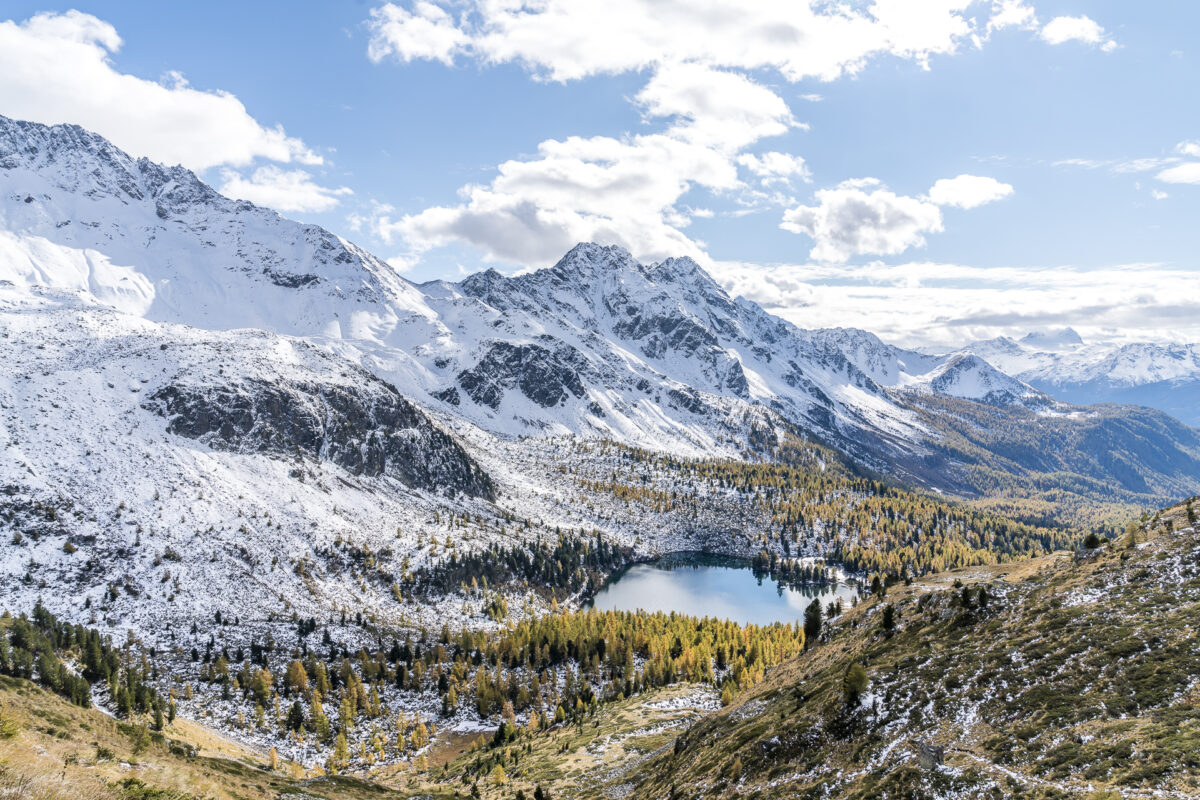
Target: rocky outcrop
[(368, 430), (547, 377)]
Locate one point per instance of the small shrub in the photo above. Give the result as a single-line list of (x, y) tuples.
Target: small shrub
[(8, 726), (139, 738)]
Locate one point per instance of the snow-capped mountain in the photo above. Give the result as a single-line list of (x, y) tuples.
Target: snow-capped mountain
[(125, 443), (1162, 376), (78, 214), (597, 345), (205, 405), (653, 354), (969, 377)]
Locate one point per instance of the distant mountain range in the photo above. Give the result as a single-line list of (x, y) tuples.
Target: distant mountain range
[(1162, 376)]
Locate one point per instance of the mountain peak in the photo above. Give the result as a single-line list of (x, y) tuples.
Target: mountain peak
[(1052, 339), (184, 249), (968, 376), (682, 268), (589, 260)]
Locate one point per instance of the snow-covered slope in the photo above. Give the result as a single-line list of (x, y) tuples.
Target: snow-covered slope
[(969, 377), (658, 355), (598, 345), (655, 354), (78, 214), (205, 405), (186, 469)]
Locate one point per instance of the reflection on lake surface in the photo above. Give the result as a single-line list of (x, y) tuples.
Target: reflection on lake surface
[(703, 585)]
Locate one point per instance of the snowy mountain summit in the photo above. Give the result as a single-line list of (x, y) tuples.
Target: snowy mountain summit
[(1160, 375), (80, 215)]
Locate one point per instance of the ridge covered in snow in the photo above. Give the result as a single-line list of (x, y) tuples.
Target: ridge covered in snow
[(598, 344)]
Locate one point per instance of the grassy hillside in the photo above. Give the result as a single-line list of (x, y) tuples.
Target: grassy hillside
[(1071, 678)]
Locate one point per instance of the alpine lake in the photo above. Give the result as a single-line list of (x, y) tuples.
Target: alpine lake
[(703, 585)]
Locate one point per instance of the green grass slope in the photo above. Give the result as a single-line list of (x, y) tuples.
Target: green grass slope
[(1073, 678)]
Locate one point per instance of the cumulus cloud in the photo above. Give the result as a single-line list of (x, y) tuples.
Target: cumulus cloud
[(1185, 172), (968, 191), (570, 39), (282, 190), (849, 220), (705, 96), (57, 68), (1181, 173), (598, 188), (706, 110), (775, 167), (1012, 14), (862, 217), (617, 190), (426, 32), (1077, 29), (714, 107)]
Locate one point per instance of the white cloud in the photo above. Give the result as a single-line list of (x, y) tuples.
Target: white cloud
[(282, 190), (1186, 172), (1012, 14), (705, 108), (614, 190), (56, 68), (401, 263), (1189, 149), (1077, 29), (1182, 173), (570, 39), (1140, 164), (848, 221), (968, 191), (1132, 165), (1158, 195), (862, 217), (926, 303), (426, 32), (775, 167), (725, 110), (594, 189)]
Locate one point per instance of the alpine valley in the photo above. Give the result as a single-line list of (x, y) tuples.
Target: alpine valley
[(294, 525)]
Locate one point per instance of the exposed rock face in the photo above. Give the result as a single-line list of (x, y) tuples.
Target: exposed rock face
[(371, 431), (547, 377)]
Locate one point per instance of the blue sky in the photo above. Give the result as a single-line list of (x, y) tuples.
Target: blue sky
[(649, 124)]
